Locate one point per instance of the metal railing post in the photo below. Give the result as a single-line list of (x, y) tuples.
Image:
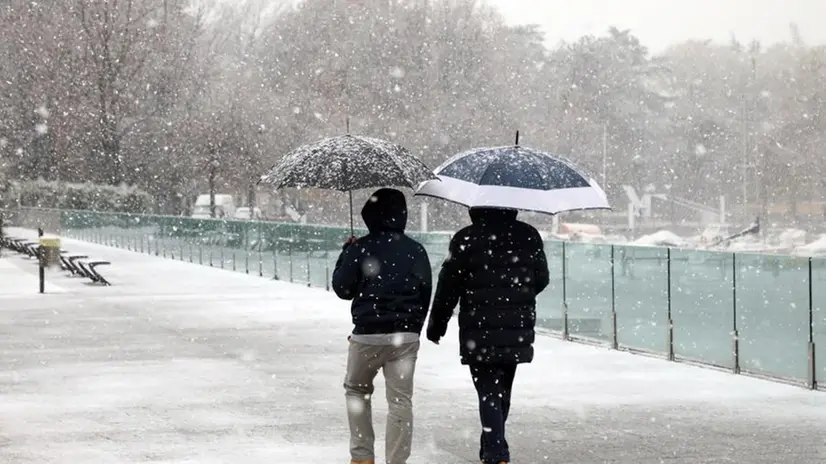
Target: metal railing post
[(309, 264), (290, 257), (260, 254), (812, 370), (327, 269), (565, 333), (670, 319), (614, 338), (735, 332)]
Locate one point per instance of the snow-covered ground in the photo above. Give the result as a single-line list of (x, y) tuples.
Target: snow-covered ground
[(188, 364)]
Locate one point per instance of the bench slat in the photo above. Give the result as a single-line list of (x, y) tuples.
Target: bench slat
[(97, 276)]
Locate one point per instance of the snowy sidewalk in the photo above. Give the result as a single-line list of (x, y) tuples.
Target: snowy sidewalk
[(183, 363)]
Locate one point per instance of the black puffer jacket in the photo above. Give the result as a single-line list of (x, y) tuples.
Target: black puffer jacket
[(494, 270), (386, 273)]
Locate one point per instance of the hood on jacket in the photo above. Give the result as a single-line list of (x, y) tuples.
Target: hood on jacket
[(482, 215), (386, 209)]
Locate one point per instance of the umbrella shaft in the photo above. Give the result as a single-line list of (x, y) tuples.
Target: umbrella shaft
[(351, 213)]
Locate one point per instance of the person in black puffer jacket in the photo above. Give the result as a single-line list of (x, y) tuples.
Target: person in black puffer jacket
[(387, 275), (494, 270)]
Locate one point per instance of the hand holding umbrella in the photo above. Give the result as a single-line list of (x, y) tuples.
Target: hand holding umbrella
[(350, 240)]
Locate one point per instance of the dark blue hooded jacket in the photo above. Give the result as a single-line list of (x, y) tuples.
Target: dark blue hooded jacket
[(386, 273)]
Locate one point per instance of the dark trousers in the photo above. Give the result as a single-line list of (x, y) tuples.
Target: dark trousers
[(493, 383)]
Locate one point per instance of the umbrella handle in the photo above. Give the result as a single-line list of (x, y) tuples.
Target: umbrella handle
[(352, 234)]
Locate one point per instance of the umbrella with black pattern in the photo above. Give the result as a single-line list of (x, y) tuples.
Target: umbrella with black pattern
[(346, 163)]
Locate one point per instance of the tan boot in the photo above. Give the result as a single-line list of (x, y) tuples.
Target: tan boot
[(364, 462)]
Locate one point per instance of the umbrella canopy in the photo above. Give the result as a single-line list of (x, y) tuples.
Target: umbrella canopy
[(346, 163), (515, 177)]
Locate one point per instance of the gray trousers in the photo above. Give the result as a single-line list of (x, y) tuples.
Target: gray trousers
[(398, 364)]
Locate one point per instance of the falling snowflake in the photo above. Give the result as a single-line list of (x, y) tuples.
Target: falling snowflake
[(371, 266), (42, 111), (357, 405), (397, 339), (397, 72)]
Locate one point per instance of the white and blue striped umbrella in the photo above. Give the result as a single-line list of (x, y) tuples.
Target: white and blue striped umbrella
[(515, 177)]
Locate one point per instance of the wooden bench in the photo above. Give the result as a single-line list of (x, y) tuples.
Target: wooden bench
[(85, 268), (80, 266), (91, 266), (21, 245), (6, 242), (32, 249), (72, 266), (13, 243), (76, 264), (64, 261), (16, 244)]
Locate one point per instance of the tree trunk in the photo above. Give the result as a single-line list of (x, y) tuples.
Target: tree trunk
[(212, 175), (112, 164), (251, 198)]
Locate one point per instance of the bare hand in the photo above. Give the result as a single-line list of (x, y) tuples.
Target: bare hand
[(350, 240)]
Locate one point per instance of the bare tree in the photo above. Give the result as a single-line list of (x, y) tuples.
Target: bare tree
[(179, 100), (129, 55)]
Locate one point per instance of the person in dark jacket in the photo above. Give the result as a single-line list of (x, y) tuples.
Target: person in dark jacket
[(494, 270), (387, 275)]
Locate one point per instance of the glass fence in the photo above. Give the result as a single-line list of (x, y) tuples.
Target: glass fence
[(751, 313)]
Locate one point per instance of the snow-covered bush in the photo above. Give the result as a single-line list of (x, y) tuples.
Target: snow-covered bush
[(93, 197)]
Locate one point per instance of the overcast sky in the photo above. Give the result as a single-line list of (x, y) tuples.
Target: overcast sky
[(659, 23)]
